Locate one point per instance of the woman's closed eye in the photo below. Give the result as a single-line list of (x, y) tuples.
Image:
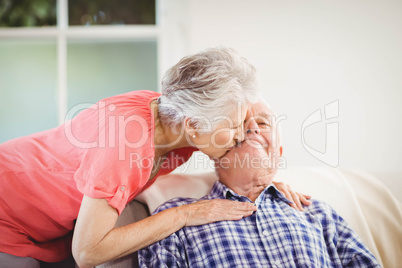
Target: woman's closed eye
[(236, 127)]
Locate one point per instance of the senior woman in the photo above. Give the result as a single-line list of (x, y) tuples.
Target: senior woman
[(65, 188)]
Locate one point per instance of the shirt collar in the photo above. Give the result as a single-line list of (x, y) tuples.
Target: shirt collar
[(219, 190)]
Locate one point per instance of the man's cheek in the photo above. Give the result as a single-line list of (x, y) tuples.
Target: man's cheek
[(224, 162), (266, 133)]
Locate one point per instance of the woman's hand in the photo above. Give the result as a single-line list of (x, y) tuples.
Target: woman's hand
[(207, 211), (297, 198)]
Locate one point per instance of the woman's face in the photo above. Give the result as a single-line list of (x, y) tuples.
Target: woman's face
[(226, 134)]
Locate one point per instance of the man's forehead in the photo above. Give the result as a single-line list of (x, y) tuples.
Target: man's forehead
[(263, 109), (264, 115)]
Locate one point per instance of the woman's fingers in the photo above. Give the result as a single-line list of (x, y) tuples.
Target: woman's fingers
[(304, 199), (287, 191), (298, 199), (284, 189), (207, 211)]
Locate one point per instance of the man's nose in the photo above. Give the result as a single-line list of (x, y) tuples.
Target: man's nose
[(252, 127)]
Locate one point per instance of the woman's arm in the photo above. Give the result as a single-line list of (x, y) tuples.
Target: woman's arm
[(96, 241)]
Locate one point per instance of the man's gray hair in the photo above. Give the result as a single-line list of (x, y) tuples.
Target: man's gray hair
[(205, 86)]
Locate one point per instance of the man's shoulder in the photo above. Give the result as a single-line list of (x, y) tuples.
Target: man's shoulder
[(319, 207)]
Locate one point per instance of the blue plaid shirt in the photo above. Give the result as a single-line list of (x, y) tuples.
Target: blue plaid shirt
[(276, 235)]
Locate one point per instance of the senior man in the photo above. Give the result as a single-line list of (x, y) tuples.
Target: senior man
[(276, 235)]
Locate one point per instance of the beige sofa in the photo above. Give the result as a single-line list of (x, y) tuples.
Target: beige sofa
[(360, 198)]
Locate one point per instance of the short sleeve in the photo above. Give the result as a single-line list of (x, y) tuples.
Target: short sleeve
[(119, 158), (351, 249)]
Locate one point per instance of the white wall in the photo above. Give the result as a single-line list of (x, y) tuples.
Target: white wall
[(311, 53)]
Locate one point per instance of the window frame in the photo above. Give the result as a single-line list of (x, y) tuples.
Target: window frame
[(169, 33)]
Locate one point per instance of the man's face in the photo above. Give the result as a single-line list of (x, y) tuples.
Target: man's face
[(260, 152)]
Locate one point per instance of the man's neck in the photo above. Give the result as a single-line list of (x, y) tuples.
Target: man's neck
[(251, 188)]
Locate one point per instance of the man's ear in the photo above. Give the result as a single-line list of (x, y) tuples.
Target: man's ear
[(280, 150), (189, 127)]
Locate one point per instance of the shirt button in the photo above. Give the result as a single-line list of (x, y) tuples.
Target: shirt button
[(122, 188), (265, 232)]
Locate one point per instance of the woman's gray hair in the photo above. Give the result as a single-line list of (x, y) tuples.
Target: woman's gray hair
[(205, 86)]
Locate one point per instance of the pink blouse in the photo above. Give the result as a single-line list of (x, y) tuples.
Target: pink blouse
[(106, 151)]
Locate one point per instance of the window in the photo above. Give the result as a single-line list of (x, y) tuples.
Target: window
[(103, 12), (55, 54), (27, 13)]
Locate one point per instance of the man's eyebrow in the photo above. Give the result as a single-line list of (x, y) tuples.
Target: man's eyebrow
[(262, 115), (265, 115)]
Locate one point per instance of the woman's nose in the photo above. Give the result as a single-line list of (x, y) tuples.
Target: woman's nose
[(240, 136)]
